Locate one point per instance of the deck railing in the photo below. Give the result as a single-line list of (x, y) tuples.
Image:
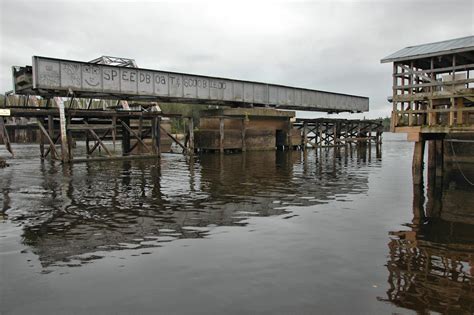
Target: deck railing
[(445, 117)]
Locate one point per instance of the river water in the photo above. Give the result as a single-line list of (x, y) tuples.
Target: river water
[(262, 232)]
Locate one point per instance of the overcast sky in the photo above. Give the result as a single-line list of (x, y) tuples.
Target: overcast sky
[(325, 45)]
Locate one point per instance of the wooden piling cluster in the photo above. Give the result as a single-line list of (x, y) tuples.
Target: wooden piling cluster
[(325, 132), (59, 128)]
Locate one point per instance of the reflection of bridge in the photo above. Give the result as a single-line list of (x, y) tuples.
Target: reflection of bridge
[(132, 204), (431, 266)]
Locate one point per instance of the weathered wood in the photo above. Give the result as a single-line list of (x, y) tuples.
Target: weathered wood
[(125, 136), (174, 139), (130, 130), (51, 130), (439, 70), (432, 154), (69, 139), (52, 146), (459, 113), (97, 138), (114, 131), (41, 141), (96, 144), (244, 134), (417, 165), (191, 134), (146, 133), (89, 126), (156, 135), (437, 83), (439, 157), (5, 136), (62, 130), (56, 141), (221, 135)]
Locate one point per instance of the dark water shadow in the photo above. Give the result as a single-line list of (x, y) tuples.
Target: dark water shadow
[(431, 265)]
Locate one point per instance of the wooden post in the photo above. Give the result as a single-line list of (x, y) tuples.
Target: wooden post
[(125, 136), (459, 106), (418, 202), (417, 166), (54, 154), (114, 131), (156, 135), (321, 135), (62, 130), (288, 133), (244, 132), (191, 135), (5, 136), (97, 138), (221, 135), (452, 112), (69, 138), (431, 155), (140, 131), (51, 132), (87, 144), (439, 157), (393, 122), (139, 139), (305, 135), (41, 140)]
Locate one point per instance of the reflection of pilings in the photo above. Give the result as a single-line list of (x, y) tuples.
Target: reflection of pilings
[(431, 266), (128, 201)]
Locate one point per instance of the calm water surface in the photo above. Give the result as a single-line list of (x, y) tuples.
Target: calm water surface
[(261, 232)]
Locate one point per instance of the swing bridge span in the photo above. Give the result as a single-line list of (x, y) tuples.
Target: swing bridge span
[(69, 90)]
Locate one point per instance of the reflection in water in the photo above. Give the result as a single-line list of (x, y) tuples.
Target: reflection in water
[(431, 266), (69, 213)]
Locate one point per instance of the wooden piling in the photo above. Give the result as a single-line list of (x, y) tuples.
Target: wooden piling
[(221, 135), (417, 166), (41, 141), (244, 131), (51, 132), (439, 157), (304, 141), (191, 135), (62, 130), (156, 135), (125, 136)]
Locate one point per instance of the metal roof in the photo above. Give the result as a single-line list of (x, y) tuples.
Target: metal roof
[(432, 49)]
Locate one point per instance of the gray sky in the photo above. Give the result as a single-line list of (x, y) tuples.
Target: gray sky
[(325, 45)]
